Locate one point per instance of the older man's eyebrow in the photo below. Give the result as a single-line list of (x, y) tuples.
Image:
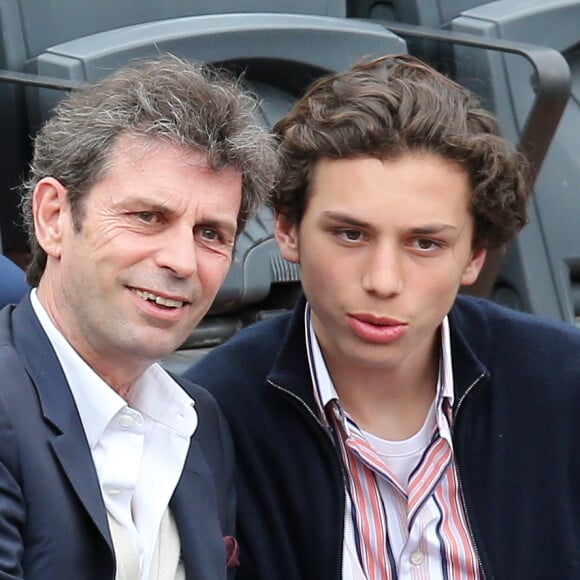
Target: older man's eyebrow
[(142, 203)]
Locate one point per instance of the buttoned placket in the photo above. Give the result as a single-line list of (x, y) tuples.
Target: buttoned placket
[(124, 446)]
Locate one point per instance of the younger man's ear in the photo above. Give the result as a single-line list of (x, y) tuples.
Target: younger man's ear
[(49, 204), (474, 267), (286, 234)]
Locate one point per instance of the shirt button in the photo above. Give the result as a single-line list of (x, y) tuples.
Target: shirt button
[(417, 558), (113, 491), (127, 421)]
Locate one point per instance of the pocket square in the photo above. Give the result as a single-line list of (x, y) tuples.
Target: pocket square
[(232, 551)]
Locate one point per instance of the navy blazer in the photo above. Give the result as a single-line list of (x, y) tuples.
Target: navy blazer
[(53, 524)]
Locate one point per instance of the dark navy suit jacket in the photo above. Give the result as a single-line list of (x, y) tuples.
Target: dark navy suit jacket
[(53, 524)]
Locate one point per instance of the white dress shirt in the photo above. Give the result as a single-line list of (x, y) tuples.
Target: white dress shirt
[(138, 446)]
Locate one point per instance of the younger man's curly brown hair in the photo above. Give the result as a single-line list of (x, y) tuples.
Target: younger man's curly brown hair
[(395, 105)]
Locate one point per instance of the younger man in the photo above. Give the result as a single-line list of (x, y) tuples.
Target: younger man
[(387, 428)]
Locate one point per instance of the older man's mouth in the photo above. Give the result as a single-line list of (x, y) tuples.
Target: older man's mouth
[(159, 300)]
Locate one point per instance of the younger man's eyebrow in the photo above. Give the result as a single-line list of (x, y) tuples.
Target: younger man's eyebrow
[(344, 218), (433, 229), (425, 229)]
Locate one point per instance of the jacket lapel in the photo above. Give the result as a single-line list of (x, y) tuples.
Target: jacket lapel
[(193, 507), (59, 410)]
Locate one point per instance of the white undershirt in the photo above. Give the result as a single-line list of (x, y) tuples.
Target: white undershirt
[(138, 449), (403, 456)]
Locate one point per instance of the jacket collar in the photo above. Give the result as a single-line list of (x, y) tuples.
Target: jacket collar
[(290, 369), (39, 358), (470, 346)]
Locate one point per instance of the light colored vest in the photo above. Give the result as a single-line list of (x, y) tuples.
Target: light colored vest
[(166, 563)]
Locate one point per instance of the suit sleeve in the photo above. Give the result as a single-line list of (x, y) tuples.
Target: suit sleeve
[(12, 509)]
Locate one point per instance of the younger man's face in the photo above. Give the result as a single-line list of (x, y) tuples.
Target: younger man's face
[(383, 248)]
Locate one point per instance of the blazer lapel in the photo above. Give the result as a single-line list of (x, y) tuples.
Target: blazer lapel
[(193, 507), (59, 410)]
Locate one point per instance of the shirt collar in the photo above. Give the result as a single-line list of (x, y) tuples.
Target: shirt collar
[(159, 397), (325, 392), (445, 366), (155, 393), (445, 390)]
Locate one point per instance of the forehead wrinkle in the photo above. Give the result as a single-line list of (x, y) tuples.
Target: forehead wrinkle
[(134, 148)]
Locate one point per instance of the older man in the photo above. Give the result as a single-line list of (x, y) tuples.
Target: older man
[(109, 468)]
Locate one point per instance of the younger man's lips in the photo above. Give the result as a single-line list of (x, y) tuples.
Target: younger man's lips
[(378, 330)]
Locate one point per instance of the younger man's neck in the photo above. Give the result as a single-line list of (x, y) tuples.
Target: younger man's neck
[(391, 404)]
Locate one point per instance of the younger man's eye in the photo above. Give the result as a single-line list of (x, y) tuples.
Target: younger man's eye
[(350, 235), (427, 244)]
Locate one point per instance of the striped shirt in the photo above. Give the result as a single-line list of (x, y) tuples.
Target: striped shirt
[(404, 515)]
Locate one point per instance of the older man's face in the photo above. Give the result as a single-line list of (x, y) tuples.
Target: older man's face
[(155, 243)]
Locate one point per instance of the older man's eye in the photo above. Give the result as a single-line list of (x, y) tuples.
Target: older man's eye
[(209, 234), (147, 216)]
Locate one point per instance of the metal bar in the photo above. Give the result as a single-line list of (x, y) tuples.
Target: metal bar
[(32, 80), (552, 87)]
